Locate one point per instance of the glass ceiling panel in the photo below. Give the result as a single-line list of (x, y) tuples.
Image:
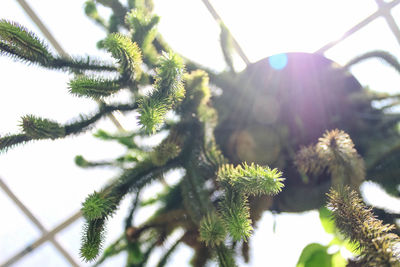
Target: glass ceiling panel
[(45, 255), (14, 226), (190, 29), (373, 73), (263, 28)]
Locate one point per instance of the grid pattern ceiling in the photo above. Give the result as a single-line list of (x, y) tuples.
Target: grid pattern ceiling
[(35, 228)]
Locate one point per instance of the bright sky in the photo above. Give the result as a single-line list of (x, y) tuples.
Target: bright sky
[(43, 174)]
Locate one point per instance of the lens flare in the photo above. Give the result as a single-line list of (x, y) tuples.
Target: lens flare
[(278, 61)]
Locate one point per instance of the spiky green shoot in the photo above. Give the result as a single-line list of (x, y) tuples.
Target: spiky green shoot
[(308, 161), (10, 141), (252, 179), (92, 239), (18, 42), (127, 53), (142, 24), (152, 114), (335, 152), (168, 91), (169, 81), (97, 206), (377, 245), (212, 230), (336, 148), (93, 87), (39, 128), (235, 213)]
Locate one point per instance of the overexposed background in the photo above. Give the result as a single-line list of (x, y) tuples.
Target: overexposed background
[(43, 175)]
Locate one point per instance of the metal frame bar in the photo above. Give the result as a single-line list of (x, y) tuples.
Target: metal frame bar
[(36, 222), (218, 19), (384, 10)]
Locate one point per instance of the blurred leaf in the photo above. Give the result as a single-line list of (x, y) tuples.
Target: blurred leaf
[(326, 220), (338, 260), (126, 139), (314, 255)]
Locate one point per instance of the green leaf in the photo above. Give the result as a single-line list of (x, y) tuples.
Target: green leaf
[(315, 255), (338, 260), (326, 220)]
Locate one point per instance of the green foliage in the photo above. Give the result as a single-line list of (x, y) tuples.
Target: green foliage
[(126, 139), (198, 96), (168, 91), (93, 87), (164, 152), (142, 24), (214, 202), (378, 246), (252, 180), (309, 161), (127, 53), (334, 151), (80, 161), (91, 11), (97, 206), (235, 213), (38, 128), (315, 255), (314, 252), (17, 41), (92, 239), (152, 114), (135, 255), (212, 230), (225, 257), (9, 141), (240, 182), (327, 221), (169, 79)]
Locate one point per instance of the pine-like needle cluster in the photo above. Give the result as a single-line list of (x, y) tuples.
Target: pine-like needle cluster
[(377, 245), (335, 152)]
